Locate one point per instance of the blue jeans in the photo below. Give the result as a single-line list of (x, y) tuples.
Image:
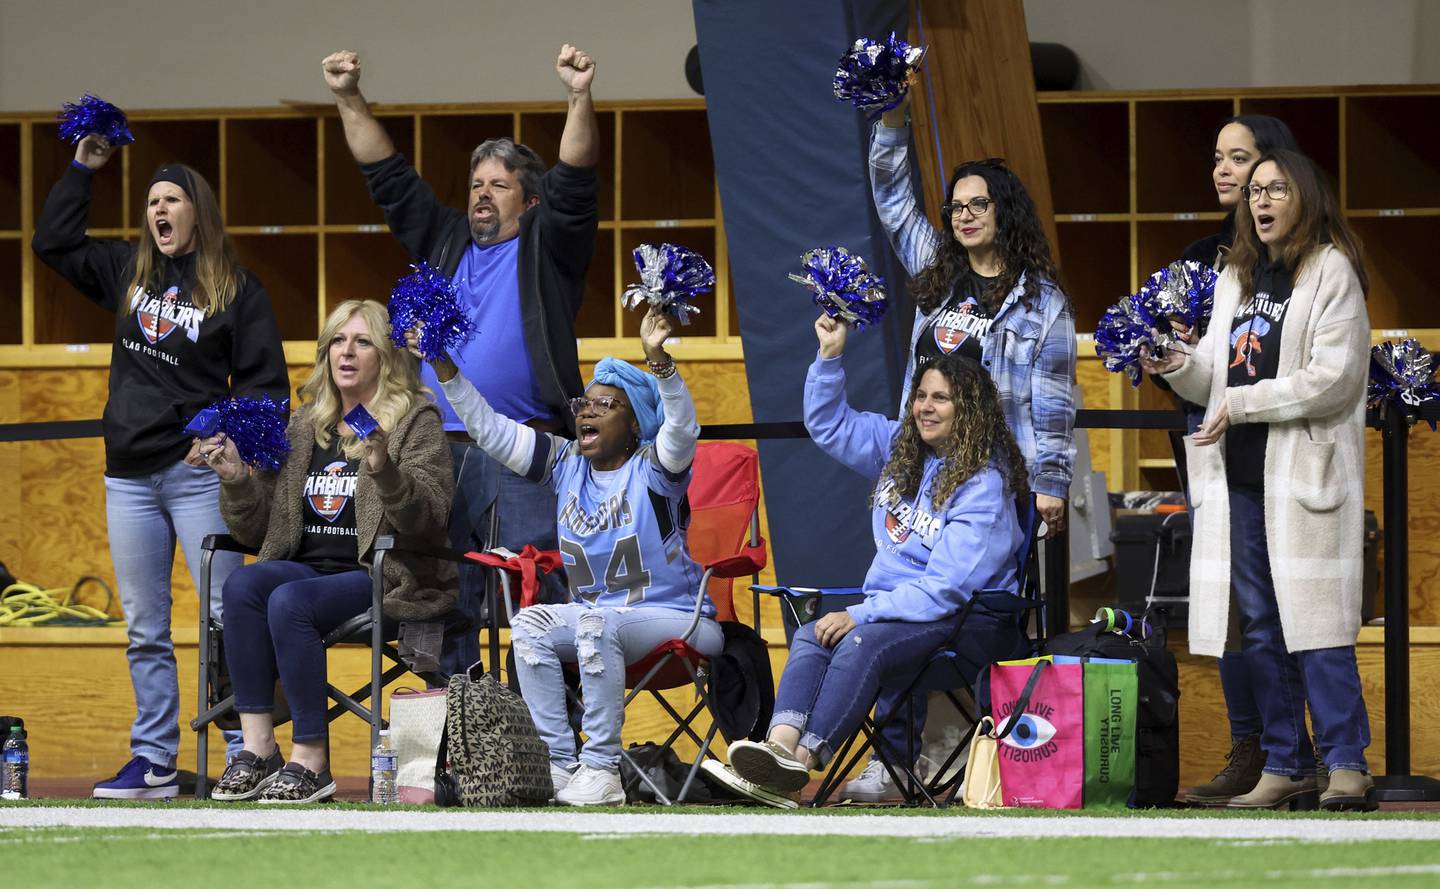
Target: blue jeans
[(276, 614), (825, 693), (602, 641), (145, 516), (527, 515), (1327, 678)]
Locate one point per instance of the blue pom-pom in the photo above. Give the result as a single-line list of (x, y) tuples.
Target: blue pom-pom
[(1402, 377), (670, 278), (874, 76), (1123, 329), (1184, 290), (93, 115), (843, 286), (427, 296), (256, 425)]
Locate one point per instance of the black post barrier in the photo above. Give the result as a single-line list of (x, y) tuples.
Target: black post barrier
[(1397, 784)]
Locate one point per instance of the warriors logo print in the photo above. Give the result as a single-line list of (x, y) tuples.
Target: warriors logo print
[(156, 322), (949, 332), (1246, 343), (895, 528), (328, 490)]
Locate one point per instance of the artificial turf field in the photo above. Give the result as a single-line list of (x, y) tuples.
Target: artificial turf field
[(191, 845)]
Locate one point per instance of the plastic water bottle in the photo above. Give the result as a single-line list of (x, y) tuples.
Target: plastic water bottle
[(382, 772), (16, 783)]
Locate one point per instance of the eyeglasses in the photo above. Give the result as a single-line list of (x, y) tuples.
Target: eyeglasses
[(602, 404), (1278, 190), (977, 206)]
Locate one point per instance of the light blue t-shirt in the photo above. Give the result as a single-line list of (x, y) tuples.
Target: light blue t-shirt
[(496, 360), (622, 533)]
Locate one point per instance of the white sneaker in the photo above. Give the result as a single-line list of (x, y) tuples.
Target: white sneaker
[(590, 786), (726, 777), (561, 775), (874, 785)]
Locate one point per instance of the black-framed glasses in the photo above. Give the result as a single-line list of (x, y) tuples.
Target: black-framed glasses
[(602, 404), (977, 206), (1278, 190)]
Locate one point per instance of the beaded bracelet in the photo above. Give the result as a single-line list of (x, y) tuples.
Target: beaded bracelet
[(663, 370)]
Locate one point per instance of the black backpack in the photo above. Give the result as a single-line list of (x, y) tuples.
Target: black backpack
[(1157, 729)]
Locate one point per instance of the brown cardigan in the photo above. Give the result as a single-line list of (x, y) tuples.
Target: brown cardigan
[(410, 495)]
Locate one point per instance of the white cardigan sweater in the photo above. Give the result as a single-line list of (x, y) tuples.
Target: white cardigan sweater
[(1314, 460)]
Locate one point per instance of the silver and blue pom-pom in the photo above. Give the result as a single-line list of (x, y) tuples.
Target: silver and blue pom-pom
[(1123, 330), (843, 286), (1402, 377), (94, 116), (1183, 290), (875, 75), (427, 296), (670, 278), (256, 425)]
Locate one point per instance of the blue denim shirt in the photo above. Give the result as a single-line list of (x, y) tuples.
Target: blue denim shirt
[(1030, 353)]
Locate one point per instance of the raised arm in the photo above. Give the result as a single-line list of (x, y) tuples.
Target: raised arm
[(675, 442), (910, 233), (93, 265), (580, 140), (368, 140), (856, 439)]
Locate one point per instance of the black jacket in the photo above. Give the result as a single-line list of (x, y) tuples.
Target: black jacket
[(168, 361), (557, 241)]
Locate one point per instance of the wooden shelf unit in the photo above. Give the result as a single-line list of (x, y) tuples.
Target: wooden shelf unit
[(302, 219), (1130, 179)]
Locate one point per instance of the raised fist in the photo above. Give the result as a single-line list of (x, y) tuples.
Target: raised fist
[(342, 72), (576, 69)]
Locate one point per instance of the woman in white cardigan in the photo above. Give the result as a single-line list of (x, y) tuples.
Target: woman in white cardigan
[(1277, 475)]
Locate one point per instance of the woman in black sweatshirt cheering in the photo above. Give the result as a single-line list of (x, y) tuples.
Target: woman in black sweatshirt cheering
[(191, 327)]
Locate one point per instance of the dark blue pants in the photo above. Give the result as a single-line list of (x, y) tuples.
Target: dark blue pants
[(276, 613), (1327, 678), (826, 692)]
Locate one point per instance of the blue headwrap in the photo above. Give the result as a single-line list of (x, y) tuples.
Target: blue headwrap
[(640, 388)]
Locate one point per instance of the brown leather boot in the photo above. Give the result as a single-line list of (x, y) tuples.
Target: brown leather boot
[(1350, 790), (1279, 792), (1240, 775)]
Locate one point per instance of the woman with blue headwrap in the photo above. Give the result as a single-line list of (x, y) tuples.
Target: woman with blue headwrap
[(622, 518)]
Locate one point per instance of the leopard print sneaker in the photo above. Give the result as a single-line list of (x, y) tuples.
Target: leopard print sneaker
[(247, 776), (295, 784)]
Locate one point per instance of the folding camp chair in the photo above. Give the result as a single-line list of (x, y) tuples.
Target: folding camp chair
[(947, 671)]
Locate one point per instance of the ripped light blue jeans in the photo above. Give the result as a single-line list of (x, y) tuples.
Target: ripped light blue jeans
[(602, 641)]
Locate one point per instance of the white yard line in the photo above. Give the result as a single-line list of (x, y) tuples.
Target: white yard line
[(590, 823)]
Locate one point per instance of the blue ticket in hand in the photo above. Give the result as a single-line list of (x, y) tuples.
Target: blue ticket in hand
[(204, 424), (360, 422)]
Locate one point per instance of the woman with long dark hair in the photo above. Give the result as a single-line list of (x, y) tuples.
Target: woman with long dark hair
[(191, 328), (1239, 142), (947, 478), (1277, 476), (986, 288)]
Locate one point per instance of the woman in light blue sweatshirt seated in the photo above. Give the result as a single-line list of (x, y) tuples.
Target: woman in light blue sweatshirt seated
[(944, 519)]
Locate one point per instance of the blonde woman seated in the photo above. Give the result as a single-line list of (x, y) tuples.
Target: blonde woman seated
[(315, 522)]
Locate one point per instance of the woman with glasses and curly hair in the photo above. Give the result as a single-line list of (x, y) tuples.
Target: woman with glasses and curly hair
[(622, 519), (1277, 477), (943, 514), (986, 287)]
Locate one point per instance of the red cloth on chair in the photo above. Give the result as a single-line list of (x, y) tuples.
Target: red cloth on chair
[(527, 566)]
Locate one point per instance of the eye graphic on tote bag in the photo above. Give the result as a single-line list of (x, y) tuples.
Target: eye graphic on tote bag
[(1031, 730)]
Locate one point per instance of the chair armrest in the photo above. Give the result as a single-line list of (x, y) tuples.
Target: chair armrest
[(226, 544), (407, 544), (735, 566)]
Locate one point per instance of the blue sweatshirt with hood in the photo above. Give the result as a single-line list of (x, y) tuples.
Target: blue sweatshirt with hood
[(928, 560)]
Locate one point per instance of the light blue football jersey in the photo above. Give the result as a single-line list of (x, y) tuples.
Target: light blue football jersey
[(623, 539)]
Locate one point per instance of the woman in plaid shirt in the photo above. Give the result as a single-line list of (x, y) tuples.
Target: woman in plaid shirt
[(985, 286)]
